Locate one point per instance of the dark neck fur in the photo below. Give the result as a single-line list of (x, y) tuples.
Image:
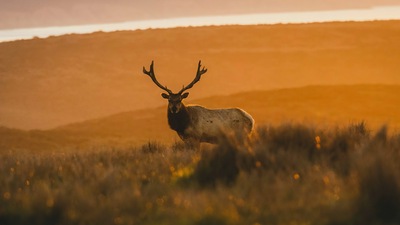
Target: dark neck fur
[(179, 121)]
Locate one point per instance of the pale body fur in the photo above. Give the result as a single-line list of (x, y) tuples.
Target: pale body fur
[(208, 125), (194, 123)]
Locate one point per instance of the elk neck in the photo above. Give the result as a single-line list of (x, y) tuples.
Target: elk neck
[(179, 121)]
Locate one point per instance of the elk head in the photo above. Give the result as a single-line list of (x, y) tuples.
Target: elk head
[(175, 99)]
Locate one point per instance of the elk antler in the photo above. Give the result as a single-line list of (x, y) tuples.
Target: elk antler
[(196, 79), (153, 78)]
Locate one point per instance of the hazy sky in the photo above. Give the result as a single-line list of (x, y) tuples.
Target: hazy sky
[(42, 13)]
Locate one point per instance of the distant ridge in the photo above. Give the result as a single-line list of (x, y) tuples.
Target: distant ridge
[(320, 106), (43, 13)]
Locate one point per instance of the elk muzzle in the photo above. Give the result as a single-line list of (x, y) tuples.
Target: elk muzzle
[(174, 107)]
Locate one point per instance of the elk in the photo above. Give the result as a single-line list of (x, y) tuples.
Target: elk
[(194, 123)]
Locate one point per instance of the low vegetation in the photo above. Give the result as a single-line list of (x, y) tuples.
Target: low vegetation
[(286, 174)]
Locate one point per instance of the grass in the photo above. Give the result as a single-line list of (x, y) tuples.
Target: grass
[(286, 174)]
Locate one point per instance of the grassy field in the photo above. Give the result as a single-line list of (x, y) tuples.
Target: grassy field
[(84, 137), (285, 174)]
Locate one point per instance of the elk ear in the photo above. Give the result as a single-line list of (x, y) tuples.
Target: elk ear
[(165, 95), (185, 95)]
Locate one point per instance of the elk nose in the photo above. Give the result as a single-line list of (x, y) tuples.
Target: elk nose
[(174, 109)]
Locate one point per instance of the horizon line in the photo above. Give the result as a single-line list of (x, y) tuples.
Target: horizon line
[(380, 13)]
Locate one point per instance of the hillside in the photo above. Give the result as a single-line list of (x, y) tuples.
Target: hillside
[(45, 83), (318, 106)]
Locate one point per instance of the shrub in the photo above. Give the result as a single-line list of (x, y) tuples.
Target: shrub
[(218, 165)]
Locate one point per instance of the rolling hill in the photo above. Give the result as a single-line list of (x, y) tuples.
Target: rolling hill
[(46, 83), (319, 106)]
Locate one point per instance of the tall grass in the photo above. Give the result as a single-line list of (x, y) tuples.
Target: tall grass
[(288, 174)]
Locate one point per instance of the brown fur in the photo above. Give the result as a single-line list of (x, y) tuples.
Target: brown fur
[(179, 121)]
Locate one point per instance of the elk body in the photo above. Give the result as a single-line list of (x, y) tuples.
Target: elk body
[(194, 123)]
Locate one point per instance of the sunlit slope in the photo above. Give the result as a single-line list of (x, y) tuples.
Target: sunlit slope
[(377, 105), (46, 83), (320, 106)]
